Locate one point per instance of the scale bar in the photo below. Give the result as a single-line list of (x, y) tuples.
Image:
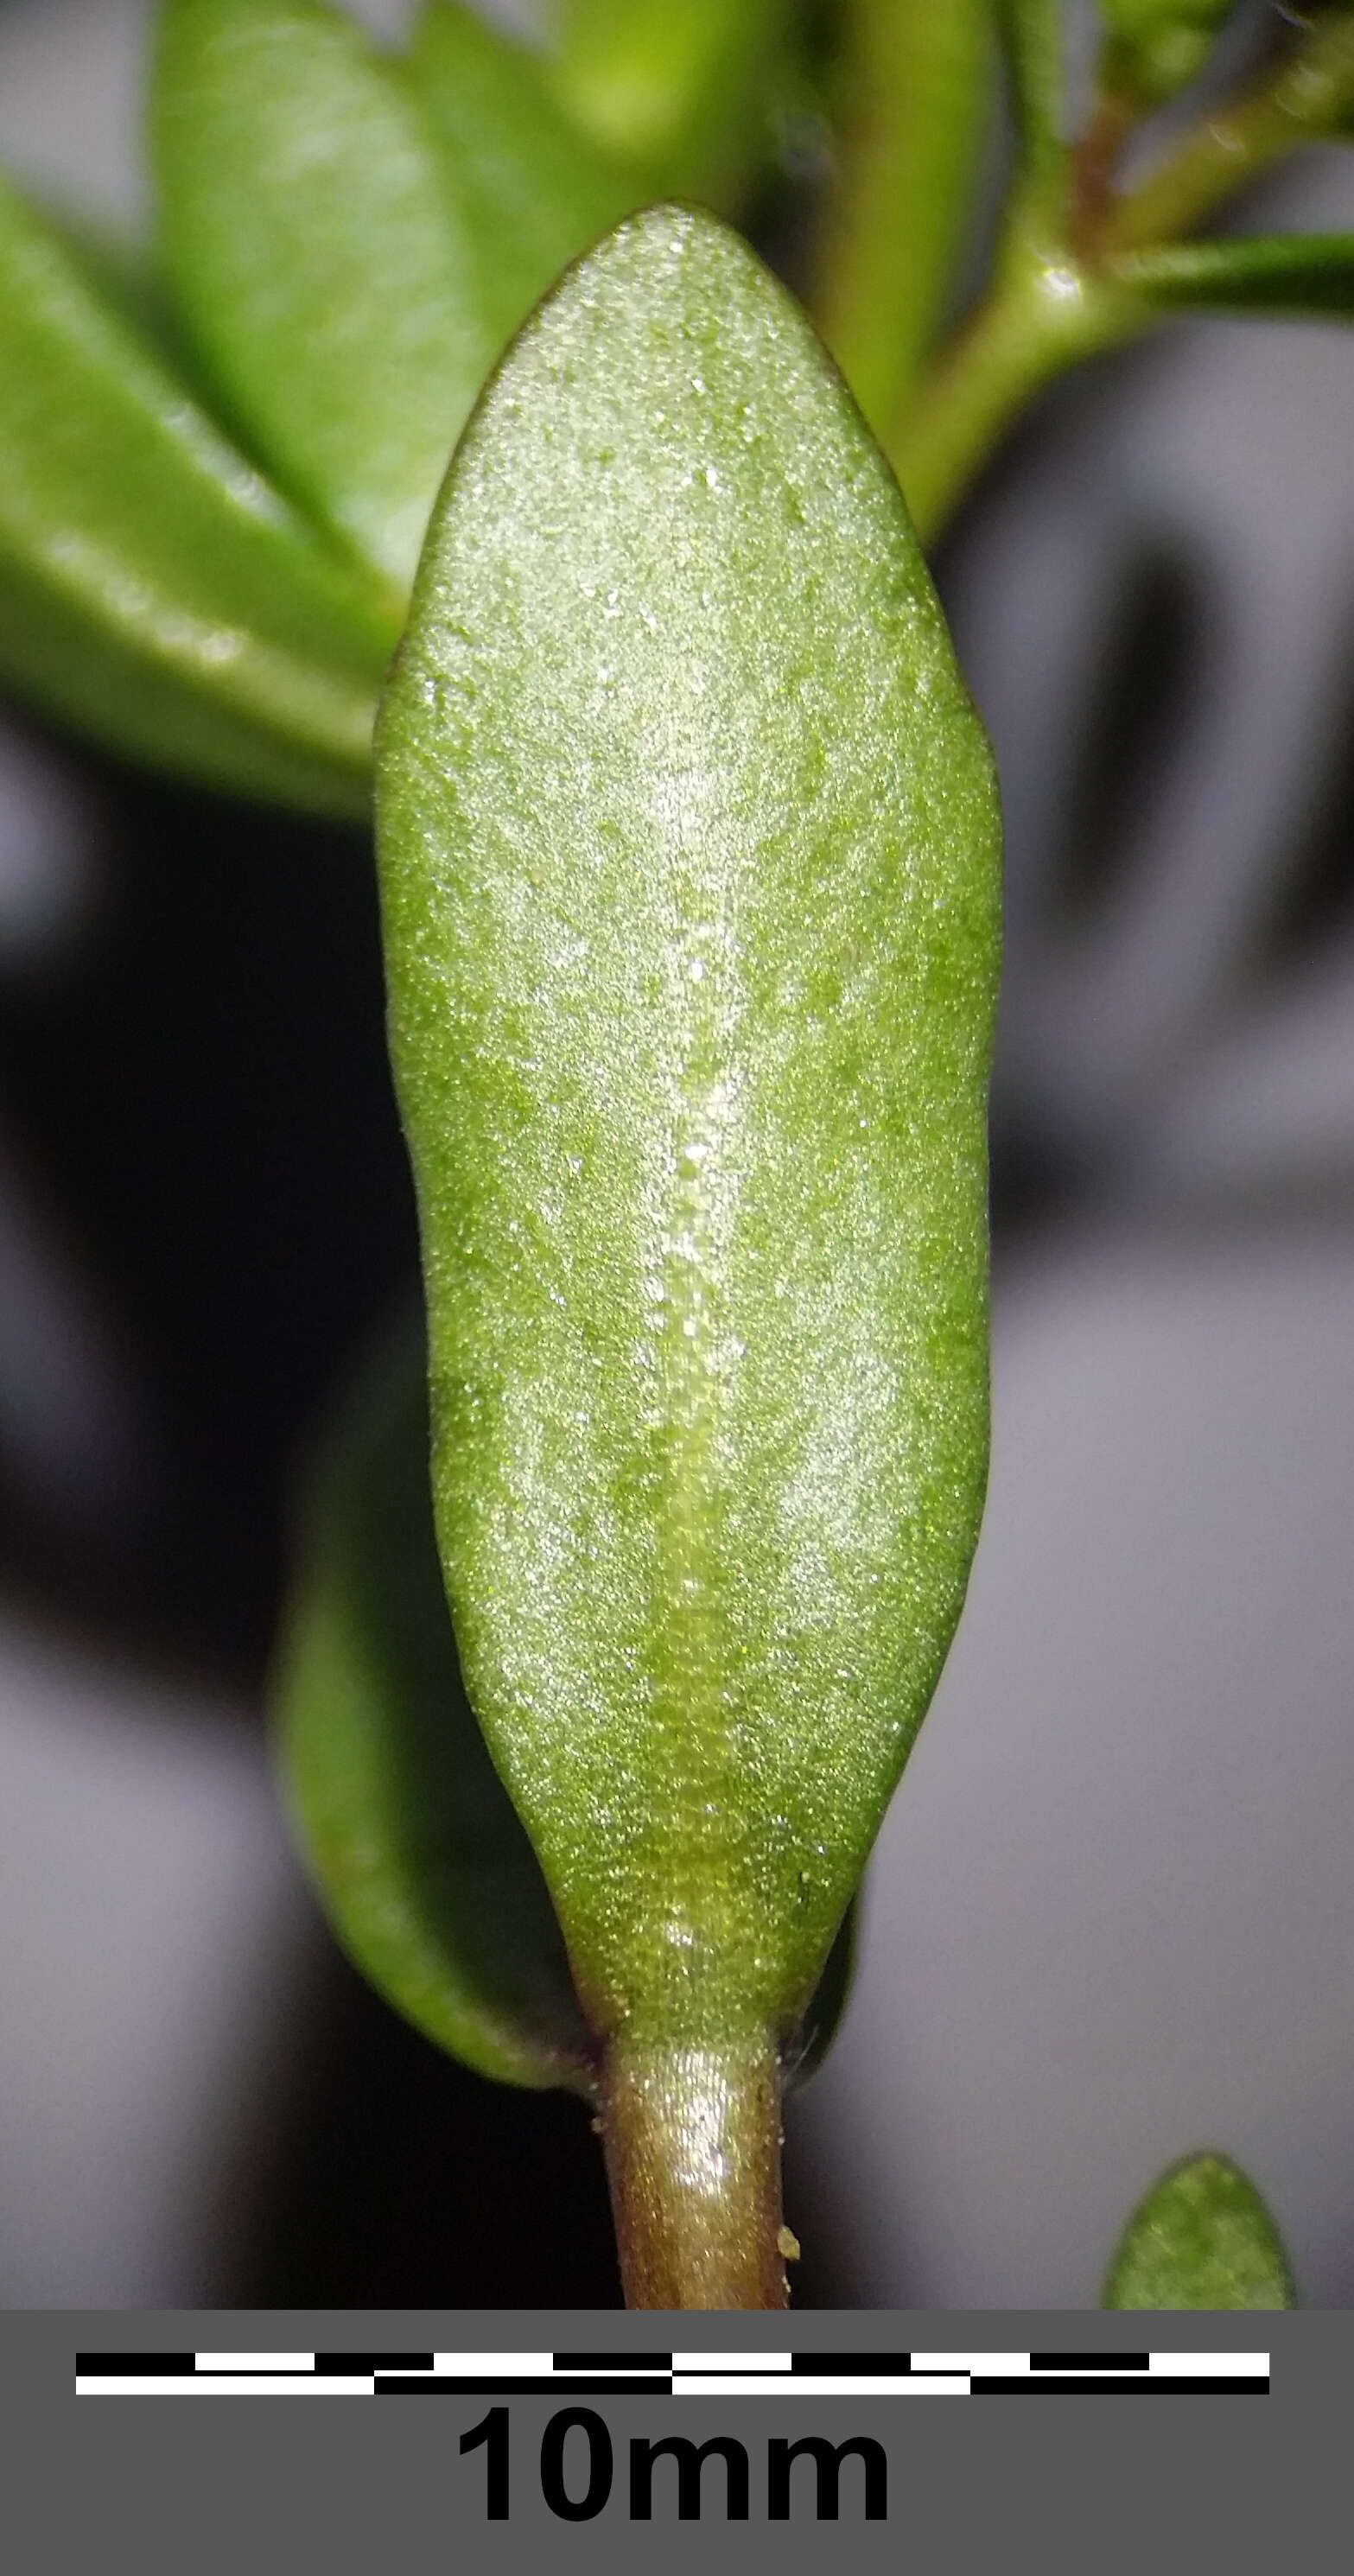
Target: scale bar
[(559, 2376), (1104, 2383), (443, 2384)]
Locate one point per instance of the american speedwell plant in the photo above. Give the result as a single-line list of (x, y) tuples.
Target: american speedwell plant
[(688, 855)]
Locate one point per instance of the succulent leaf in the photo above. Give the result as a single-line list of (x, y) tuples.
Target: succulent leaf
[(688, 845)]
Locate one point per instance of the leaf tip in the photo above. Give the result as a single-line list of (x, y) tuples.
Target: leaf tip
[(1202, 2238)]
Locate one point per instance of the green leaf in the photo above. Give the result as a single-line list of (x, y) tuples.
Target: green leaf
[(427, 1877), (1281, 273), (153, 591), (1202, 2238), (688, 845), (319, 258), (1161, 45), (530, 190), (121, 273), (680, 93)]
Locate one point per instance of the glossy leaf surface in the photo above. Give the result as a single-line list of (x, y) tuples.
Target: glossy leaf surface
[(532, 193), (688, 848), (153, 591), (322, 263), (428, 1878), (1202, 2238)]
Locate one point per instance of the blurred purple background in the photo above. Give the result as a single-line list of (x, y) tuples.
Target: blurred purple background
[(1112, 1913)]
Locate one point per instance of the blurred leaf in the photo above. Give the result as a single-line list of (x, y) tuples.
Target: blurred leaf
[(329, 275), (528, 186), (1280, 273), (152, 590), (1161, 45), (426, 1875), (120, 272), (678, 88), (1202, 2238), (915, 116)]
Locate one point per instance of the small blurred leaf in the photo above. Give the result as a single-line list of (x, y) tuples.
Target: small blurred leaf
[(530, 191), (676, 87), (326, 270), (152, 590), (1202, 2238), (1282, 273), (427, 1876), (916, 110), (1161, 45)]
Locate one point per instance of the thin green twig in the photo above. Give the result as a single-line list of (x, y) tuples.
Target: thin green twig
[(1307, 100), (1042, 319), (1280, 273), (1032, 31), (1068, 284)]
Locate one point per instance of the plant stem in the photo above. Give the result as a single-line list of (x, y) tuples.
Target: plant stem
[(693, 2160), (1044, 314), (1304, 102), (1033, 34), (1053, 304), (1045, 309), (917, 101), (1282, 273), (1095, 163)]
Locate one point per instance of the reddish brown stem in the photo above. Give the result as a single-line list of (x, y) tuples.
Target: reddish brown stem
[(693, 2160)]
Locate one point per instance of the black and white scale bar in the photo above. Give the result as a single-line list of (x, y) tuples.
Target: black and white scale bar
[(672, 2374), (1109, 2383)]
